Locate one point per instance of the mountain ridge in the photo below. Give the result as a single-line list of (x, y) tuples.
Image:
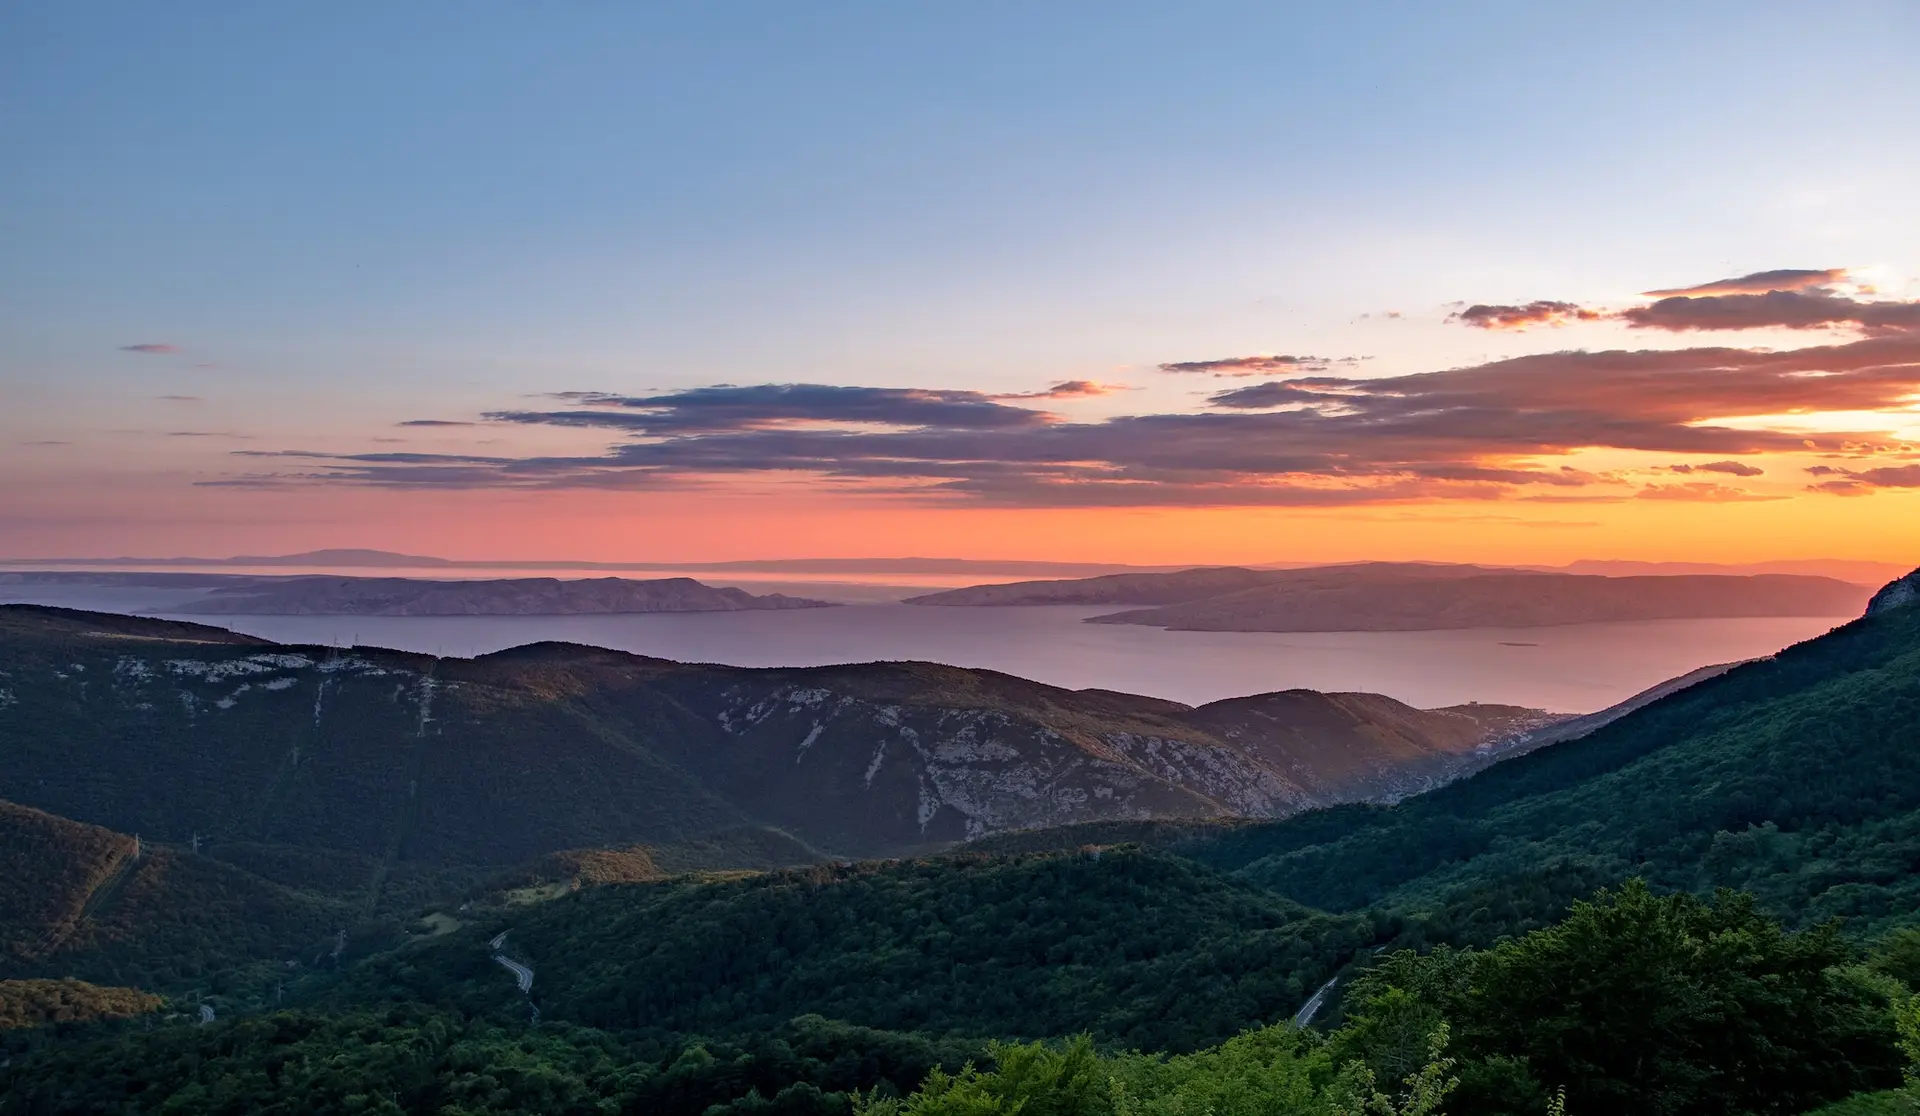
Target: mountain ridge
[(1792, 776), (553, 746)]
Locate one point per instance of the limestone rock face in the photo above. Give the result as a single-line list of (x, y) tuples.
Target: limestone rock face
[(172, 730), (1896, 594)]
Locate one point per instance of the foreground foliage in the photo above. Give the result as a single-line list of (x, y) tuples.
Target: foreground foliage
[(419, 1060), (1664, 1005), (1641, 1003)]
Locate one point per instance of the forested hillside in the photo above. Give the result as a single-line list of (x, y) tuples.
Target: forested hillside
[(1138, 948), (1636, 1003), (1490, 947), (1797, 777), (78, 900)]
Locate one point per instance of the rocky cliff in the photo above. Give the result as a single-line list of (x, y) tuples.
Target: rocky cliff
[(1896, 594), (168, 730)]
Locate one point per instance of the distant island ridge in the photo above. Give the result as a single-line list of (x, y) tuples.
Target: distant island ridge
[(1360, 597), (1862, 571), (1399, 596), (351, 558), (1349, 597), (327, 595)]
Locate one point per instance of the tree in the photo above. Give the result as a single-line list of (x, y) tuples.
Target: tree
[(1663, 1005)]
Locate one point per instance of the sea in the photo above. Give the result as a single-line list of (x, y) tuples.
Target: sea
[(1575, 668)]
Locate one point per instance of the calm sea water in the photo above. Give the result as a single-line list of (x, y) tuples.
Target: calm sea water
[(1575, 669)]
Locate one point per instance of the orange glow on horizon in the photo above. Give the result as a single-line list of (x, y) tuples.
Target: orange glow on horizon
[(156, 518)]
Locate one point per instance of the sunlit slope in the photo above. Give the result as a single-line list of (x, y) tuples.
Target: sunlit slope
[(79, 900)]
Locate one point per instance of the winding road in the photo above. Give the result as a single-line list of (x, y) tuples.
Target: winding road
[(1313, 1005), (521, 973)]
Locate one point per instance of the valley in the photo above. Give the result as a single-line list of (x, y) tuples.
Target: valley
[(893, 862)]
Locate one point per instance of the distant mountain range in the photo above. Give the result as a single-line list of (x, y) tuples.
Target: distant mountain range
[(525, 596), (341, 558), (1859, 572), (309, 595), (1389, 596), (349, 558)]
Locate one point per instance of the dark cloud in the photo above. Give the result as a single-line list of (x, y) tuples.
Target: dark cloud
[(1787, 298), (435, 422), (207, 434), (1848, 482), (1760, 282), (1731, 468), (47, 442), (1258, 365), (1780, 309), (1538, 313), (1485, 432), (730, 407), (1274, 393), (151, 348), (181, 399)]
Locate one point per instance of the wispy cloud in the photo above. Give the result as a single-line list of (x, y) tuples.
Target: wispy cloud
[(435, 422), (1703, 492), (151, 348), (1066, 389), (180, 399)]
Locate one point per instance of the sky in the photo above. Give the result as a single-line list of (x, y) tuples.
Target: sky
[(1197, 282)]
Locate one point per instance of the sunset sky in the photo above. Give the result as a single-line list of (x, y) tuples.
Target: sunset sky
[(1188, 282)]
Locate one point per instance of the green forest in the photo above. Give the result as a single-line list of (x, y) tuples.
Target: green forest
[(1636, 1002), (1706, 908)]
